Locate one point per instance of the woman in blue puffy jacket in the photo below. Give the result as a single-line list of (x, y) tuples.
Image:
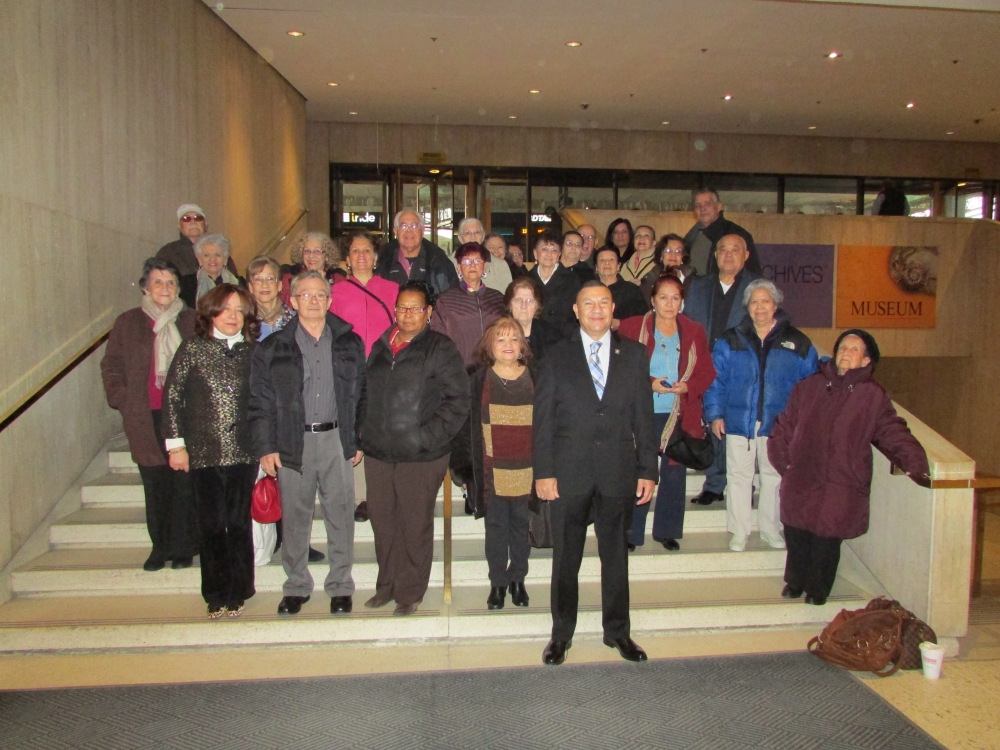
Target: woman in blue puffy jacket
[(757, 364)]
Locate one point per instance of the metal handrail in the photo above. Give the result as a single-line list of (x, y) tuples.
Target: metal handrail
[(447, 538)]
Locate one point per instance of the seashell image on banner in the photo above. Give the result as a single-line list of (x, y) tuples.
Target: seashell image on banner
[(883, 286)]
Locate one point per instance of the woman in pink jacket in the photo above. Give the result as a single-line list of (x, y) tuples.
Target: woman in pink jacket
[(365, 301)]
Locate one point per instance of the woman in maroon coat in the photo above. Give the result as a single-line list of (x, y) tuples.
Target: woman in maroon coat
[(139, 352), (681, 370), (821, 446)]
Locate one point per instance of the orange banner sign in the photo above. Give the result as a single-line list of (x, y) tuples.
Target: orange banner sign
[(886, 286)]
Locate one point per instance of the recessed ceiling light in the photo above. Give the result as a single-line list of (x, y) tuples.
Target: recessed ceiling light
[(435, 171), (812, 127), (332, 83), (352, 113), (727, 97), (834, 55), (911, 105), (296, 33), (534, 91), (962, 184), (665, 122), (511, 117), (950, 132), (572, 44)]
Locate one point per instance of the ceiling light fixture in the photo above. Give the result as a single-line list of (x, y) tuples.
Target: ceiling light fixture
[(352, 113), (834, 55), (727, 97), (572, 44), (950, 132), (511, 117), (534, 91), (962, 184), (812, 127), (296, 33), (911, 105), (332, 83), (665, 122), (435, 171)]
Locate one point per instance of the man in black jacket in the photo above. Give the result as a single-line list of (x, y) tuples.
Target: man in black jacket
[(594, 452), (716, 302), (192, 224), (712, 226), (410, 257), (306, 385)]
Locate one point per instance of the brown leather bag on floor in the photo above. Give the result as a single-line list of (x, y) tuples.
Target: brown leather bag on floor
[(915, 631)]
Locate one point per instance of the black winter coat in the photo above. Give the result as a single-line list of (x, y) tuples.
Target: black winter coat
[(432, 265), (466, 462), (418, 399), (277, 412)]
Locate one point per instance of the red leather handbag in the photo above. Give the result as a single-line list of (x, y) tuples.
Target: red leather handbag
[(265, 506)]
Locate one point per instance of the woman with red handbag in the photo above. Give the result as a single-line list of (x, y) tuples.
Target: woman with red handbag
[(206, 399)]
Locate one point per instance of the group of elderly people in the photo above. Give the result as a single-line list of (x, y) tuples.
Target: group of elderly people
[(414, 362)]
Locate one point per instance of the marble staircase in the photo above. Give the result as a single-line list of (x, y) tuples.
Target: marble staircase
[(89, 592)]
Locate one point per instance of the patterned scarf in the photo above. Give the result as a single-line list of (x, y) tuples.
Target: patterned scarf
[(168, 338)]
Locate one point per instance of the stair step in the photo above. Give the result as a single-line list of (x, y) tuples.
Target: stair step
[(110, 572), (125, 526), (179, 620)]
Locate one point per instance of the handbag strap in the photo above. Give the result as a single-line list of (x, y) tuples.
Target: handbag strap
[(668, 428), (376, 298)]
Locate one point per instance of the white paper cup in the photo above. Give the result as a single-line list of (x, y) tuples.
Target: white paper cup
[(932, 657)]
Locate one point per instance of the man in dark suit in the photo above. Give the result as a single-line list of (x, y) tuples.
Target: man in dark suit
[(716, 301), (594, 452)]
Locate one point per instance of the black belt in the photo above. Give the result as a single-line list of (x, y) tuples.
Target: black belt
[(321, 426)]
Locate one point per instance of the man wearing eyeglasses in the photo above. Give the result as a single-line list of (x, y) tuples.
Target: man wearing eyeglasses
[(712, 225), (411, 257), (305, 386), (463, 313), (192, 225), (588, 233)]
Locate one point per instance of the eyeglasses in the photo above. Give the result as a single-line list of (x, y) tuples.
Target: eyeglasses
[(409, 226), (668, 251), (187, 218), (521, 302), (471, 262), (307, 251), (589, 236), (409, 310), (264, 280), (307, 297)]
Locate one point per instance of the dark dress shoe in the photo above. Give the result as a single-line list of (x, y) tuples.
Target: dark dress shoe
[(518, 596), (291, 605), (377, 601), (631, 547), (555, 652), (790, 592), (671, 544), (152, 565), (819, 601), (339, 604), (628, 648), (495, 599), (706, 498), (405, 609), (180, 563), (361, 512), (315, 555)]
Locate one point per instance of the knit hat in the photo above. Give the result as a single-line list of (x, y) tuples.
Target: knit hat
[(871, 348), (189, 207)]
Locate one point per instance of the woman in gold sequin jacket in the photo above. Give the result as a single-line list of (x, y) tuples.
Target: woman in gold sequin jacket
[(207, 393)]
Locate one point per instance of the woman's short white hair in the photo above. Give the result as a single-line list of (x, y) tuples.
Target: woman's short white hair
[(771, 289), (467, 221), (219, 240)]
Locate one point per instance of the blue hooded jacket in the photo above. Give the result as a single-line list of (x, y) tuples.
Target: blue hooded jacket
[(754, 380)]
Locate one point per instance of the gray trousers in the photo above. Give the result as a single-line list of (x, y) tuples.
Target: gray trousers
[(325, 468)]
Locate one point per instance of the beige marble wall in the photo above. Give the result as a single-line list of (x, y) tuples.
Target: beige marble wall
[(114, 113)]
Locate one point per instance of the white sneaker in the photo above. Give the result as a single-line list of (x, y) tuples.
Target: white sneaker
[(738, 543), (774, 541)]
